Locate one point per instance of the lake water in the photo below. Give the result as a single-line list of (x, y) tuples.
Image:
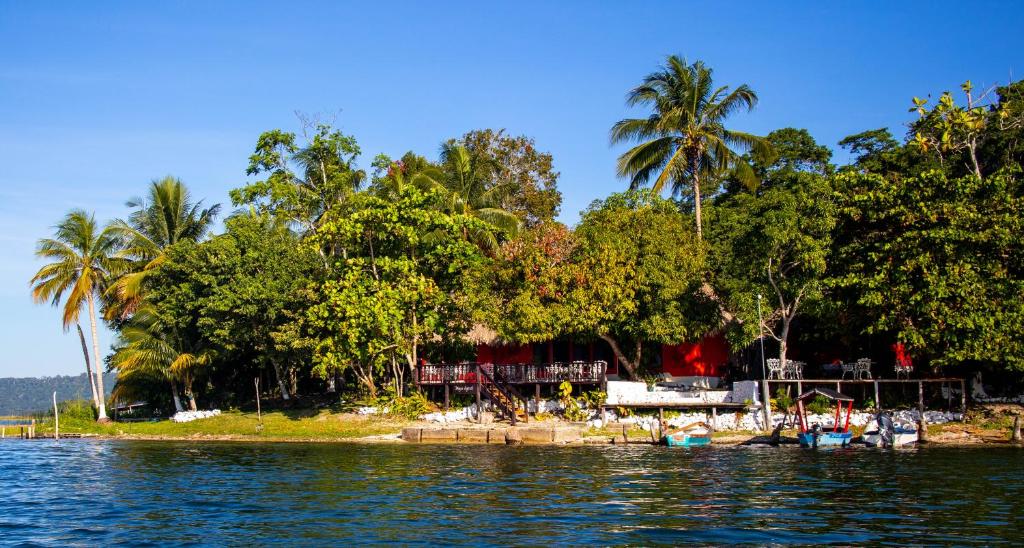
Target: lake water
[(91, 492)]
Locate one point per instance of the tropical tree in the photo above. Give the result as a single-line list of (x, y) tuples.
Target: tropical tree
[(465, 192), (392, 177), (150, 347), (628, 275), (684, 142), (302, 182), (395, 291), (521, 177), (83, 257), (777, 244), (165, 217)]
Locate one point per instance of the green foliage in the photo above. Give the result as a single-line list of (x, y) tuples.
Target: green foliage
[(594, 399), (629, 272), (303, 181), (938, 261), (402, 283), (80, 409), (782, 399), (776, 244), (684, 142), (821, 406), (410, 407)]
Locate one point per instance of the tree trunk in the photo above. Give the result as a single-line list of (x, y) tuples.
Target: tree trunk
[(177, 399), (629, 366), (696, 201), (101, 395), (189, 394), (280, 380), (783, 338), (88, 368), (293, 380)]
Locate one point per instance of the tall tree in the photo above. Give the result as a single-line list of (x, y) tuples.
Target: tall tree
[(521, 177), (163, 218), (396, 289), (938, 262), (303, 181), (83, 257), (684, 141), (775, 243), (628, 275), (466, 192)]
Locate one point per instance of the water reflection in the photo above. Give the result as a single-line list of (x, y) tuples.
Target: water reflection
[(101, 492)]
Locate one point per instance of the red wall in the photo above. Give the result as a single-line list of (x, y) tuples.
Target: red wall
[(504, 354), (706, 358)]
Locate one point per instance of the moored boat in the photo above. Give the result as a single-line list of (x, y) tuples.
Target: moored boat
[(691, 435), (817, 435), (887, 433)]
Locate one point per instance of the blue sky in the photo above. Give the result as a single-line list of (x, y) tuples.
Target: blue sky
[(97, 99)]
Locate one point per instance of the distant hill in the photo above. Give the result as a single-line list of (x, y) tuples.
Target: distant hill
[(31, 394)]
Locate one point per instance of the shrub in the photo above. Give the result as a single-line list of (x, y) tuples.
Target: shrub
[(820, 406), (408, 407), (77, 409), (783, 399)]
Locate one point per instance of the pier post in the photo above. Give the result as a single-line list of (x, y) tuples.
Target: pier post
[(922, 427), (963, 396), (447, 397), (714, 418), (56, 419), (1015, 436), (878, 400), (479, 409)]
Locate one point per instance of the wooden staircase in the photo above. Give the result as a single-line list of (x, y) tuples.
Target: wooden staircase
[(503, 395)]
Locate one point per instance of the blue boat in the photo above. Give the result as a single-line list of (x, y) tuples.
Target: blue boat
[(691, 435), (815, 436)]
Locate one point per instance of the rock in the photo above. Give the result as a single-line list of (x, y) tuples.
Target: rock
[(486, 417)]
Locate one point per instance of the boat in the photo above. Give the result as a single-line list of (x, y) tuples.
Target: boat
[(887, 433), (691, 435), (816, 435)]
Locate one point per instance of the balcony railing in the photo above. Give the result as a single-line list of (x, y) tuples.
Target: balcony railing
[(578, 372)]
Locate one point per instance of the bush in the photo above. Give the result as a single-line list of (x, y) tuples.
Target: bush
[(594, 399), (409, 407), (821, 405), (782, 399), (77, 410)]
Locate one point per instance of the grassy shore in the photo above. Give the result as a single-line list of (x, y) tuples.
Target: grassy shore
[(297, 425)]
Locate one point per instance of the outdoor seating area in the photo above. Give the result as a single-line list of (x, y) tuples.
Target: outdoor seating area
[(858, 370), (790, 370)]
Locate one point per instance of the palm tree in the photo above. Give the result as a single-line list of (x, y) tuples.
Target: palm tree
[(83, 258), (684, 141), (166, 217), (465, 192), (151, 349)]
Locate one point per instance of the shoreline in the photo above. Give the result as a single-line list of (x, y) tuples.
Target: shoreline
[(727, 440)]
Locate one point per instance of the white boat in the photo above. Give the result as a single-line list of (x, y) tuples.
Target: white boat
[(886, 433)]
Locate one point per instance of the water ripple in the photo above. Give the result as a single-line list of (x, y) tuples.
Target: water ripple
[(87, 492)]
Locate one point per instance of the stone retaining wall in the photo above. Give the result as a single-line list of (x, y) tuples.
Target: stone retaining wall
[(510, 435)]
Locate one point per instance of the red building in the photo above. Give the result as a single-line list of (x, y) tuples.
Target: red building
[(705, 358)]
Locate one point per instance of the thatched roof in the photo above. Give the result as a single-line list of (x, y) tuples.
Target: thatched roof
[(481, 334)]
